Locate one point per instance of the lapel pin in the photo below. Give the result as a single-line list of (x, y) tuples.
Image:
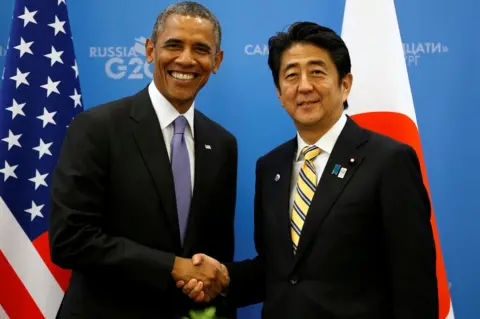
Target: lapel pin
[(352, 161), (339, 171), (277, 177), (336, 169), (342, 172), (208, 147)]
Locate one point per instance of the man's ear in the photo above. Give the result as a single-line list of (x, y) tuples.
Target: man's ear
[(347, 86), (149, 50), (279, 96), (218, 61)]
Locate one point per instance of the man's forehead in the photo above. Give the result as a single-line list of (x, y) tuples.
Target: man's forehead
[(297, 61), (177, 21), (183, 27)]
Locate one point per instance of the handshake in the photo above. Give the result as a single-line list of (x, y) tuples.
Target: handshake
[(202, 278)]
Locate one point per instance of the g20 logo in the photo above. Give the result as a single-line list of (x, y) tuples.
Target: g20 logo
[(133, 69), (124, 62)]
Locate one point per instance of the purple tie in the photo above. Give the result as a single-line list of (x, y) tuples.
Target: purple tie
[(181, 173)]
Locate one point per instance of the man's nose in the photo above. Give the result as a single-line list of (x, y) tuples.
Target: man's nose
[(305, 85), (185, 58)]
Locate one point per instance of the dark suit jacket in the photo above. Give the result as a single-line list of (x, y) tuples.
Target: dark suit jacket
[(367, 248), (113, 213)]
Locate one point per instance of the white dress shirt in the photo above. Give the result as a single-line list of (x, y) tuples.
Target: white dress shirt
[(326, 144), (167, 114)]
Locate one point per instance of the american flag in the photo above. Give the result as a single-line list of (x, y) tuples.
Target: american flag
[(39, 98)]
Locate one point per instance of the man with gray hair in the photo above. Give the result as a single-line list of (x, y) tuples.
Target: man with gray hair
[(145, 182)]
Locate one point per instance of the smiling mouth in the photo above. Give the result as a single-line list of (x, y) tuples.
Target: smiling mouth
[(307, 103), (182, 76)]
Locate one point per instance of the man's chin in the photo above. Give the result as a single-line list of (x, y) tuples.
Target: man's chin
[(309, 122), (182, 98)]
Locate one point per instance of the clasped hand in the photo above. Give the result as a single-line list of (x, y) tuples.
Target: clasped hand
[(202, 278)]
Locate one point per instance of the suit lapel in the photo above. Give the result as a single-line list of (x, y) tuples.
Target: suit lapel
[(280, 195), (331, 185), (208, 157), (148, 136)]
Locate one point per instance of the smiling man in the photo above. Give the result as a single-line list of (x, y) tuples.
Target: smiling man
[(342, 217), (145, 182)]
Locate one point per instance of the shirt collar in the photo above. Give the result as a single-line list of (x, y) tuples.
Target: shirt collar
[(327, 141), (166, 112)]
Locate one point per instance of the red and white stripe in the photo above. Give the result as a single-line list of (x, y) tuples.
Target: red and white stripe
[(3, 314), (381, 98), (31, 285)]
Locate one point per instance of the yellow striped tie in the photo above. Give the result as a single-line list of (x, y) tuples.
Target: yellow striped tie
[(306, 185)]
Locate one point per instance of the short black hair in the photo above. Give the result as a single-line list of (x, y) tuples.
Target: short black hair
[(188, 8), (309, 33)]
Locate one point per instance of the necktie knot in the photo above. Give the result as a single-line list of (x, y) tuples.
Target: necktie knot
[(179, 124), (311, 152)]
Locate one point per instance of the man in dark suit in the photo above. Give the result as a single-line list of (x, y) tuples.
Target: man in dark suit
[(145, 182), (342, 217)]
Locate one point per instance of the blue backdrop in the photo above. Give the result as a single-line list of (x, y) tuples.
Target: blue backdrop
[(109, 36)]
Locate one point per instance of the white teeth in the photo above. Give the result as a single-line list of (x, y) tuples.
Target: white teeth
[(182, 76)]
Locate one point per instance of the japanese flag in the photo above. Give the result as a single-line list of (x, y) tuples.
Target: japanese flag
[(381, 98)]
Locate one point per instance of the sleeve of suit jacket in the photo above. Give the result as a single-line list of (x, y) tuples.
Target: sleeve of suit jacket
[(408, 238), (247, 278), (78, 195)]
